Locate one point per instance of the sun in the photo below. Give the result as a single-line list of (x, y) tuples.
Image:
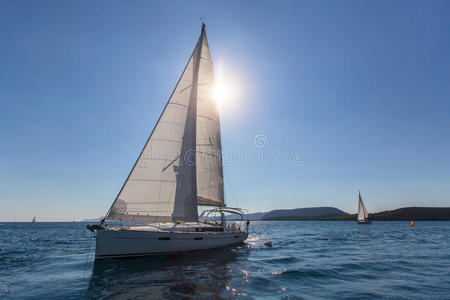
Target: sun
[(225, 90), (221, 94)]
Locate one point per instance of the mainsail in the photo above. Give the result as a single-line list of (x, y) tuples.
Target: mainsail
[(362, 211), (180, 166)]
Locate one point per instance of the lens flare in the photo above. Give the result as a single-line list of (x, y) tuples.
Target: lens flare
[(221, 94), (225, 90)]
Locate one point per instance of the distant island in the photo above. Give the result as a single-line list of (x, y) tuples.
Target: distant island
[(335, 214), (302, 214), (408, 214)]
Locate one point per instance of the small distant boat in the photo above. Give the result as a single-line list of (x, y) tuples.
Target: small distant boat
[(363, 216), (34, 220)]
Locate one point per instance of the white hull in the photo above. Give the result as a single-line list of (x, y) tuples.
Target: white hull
[(133, 243)]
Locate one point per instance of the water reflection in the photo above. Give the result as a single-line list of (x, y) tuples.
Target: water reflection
[(204, 274)]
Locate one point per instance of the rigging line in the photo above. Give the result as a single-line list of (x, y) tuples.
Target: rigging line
[(171, 163), (201, 152), (232, 193)]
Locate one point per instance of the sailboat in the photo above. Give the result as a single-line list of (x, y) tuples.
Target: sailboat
[(178, 170), (363, 216), (34, 220)]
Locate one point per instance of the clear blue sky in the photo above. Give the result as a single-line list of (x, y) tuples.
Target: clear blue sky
[(362, 88)]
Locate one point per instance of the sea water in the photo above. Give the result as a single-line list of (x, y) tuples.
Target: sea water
[(308, 260)]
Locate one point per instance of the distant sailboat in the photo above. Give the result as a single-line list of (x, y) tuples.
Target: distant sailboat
[(179, 169), (34, 220), (363, 216)]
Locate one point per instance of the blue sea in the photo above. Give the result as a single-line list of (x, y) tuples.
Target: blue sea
[(308, 260)]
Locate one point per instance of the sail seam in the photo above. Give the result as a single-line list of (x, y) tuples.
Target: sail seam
[(166, 140), (209, 118), (206, 60), (158, 180)]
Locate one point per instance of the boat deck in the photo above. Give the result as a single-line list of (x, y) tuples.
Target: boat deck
[(184, 228)]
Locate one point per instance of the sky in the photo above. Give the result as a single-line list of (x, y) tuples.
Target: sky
[(346, 95)]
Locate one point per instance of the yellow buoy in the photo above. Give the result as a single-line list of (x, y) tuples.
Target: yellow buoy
[(413, 223)]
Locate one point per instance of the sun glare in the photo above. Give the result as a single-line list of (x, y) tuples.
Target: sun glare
[(221, 94), (225, 90)]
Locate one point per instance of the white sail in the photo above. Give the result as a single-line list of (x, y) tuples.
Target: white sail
[(366, 215), (179, 168), (362, 211), (162, 186), (209, 149)]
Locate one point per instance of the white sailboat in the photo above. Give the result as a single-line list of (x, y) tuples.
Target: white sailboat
[(363, 216), (179, 169), (34, 220)]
